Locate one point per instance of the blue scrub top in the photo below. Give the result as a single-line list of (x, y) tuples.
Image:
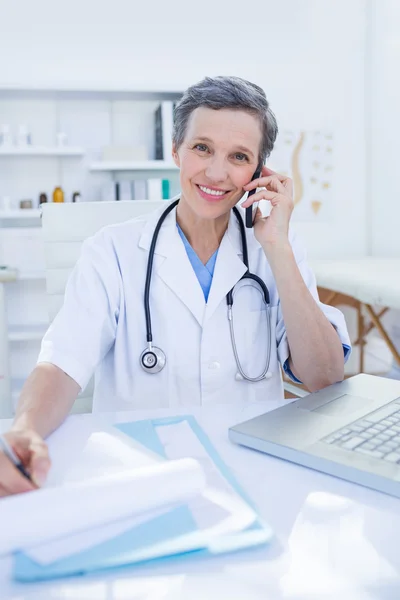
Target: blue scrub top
[(205, 272)]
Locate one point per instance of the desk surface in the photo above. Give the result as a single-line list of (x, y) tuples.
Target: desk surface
[(333, 539)]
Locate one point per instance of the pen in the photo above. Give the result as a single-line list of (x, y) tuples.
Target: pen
[(9, 452)]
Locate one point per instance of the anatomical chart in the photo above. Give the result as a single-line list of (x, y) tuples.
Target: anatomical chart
[(306, 157)]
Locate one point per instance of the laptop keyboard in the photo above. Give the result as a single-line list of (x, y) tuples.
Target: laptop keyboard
[(377, 434)]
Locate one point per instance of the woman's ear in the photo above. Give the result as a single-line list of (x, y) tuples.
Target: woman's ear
[(175, 156)]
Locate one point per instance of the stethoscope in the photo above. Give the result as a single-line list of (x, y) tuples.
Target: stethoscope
[(153, 359)]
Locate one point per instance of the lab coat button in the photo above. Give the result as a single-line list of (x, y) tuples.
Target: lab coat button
[(214, 365)]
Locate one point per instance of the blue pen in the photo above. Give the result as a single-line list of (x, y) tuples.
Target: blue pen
[(9, 452)]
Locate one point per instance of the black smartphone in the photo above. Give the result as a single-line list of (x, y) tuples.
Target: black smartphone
[(249, 211)]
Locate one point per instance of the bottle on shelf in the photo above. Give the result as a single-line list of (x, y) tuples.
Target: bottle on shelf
[(61, 138), (23, 136), (6, 203), (24, 204), (42, 198), (5, 135), (58, 194)]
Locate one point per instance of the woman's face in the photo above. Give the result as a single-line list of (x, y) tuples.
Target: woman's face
[(216, 159)]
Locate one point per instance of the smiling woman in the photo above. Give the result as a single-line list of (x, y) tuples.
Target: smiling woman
[(230, 307), (224, 129), (217, 157)]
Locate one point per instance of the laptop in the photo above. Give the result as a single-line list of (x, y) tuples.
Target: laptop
[(350, 430)]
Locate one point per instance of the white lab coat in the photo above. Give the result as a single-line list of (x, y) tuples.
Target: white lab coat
[(101, 326)]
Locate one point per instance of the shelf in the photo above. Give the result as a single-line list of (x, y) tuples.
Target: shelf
[(31, 275), (24, 333), (20, 213), (139, 165), (79, 92), (41, 151), (8, 274)]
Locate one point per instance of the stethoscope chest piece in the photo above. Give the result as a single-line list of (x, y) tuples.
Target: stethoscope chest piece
[(152, 360)]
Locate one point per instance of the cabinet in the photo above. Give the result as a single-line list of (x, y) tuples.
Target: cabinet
[(89, 121)]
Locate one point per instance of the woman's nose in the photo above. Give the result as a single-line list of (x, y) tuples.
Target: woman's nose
[(216, 171)]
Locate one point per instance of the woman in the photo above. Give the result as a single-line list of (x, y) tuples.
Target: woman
[(224, 129)]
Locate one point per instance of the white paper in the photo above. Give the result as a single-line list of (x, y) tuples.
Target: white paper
[(179, 440), (101, 453), (219, 511), (60, 548), (47, 514)]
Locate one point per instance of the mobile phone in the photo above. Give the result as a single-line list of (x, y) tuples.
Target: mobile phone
[(249, 211)]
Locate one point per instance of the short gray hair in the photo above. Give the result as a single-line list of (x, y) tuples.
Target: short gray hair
[(227, 92)]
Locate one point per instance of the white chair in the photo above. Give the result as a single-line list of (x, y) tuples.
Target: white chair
[(65, 227)]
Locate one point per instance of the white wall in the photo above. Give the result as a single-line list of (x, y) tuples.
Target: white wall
[(305, 54), (383, 127)]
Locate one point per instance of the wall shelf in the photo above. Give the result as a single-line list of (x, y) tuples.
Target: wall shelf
[(31, 275), (41, 151), (20, 213), (78, 92), (92, 119), (140, 165)]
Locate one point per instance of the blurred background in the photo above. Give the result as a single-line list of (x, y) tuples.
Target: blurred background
[(86, 96)]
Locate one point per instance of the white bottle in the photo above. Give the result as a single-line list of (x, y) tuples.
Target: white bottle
[(23, 136), (61, 138), (5, 135), (6, 203)]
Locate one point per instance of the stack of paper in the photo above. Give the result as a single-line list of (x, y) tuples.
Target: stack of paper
[(145, 508), (48, 514)]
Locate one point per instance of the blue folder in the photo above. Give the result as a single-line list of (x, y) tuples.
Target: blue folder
[(120, 551)]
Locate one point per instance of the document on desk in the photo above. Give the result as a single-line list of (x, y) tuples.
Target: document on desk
[(212, 516), (46, 514)]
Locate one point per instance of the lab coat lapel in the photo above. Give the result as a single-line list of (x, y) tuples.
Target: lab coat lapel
[(229, 267), (175, 269)]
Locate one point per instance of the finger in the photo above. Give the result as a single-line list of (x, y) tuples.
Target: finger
[(258, 215), (276, 185), (261, 195), (287, 182), (269, 182), (3, 492), (269, 172), (12, 481), (20, 443), (255, 183), (39, 463)]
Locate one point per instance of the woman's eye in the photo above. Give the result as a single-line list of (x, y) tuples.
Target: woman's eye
[(241, 157), (201, 147)]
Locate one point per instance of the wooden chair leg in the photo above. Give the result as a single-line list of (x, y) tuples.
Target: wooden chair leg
[(376, 321), (361, 336)]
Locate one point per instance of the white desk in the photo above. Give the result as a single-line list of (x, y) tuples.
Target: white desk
[(333, 539)]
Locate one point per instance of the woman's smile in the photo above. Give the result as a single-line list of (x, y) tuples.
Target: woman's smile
[(212, 194)]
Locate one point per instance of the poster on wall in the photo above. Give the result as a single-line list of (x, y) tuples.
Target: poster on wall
[(307, 157)]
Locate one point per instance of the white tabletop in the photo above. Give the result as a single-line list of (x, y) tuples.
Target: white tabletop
[(333, 539)]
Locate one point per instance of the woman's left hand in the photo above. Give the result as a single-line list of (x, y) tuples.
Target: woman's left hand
[(273, 230)]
